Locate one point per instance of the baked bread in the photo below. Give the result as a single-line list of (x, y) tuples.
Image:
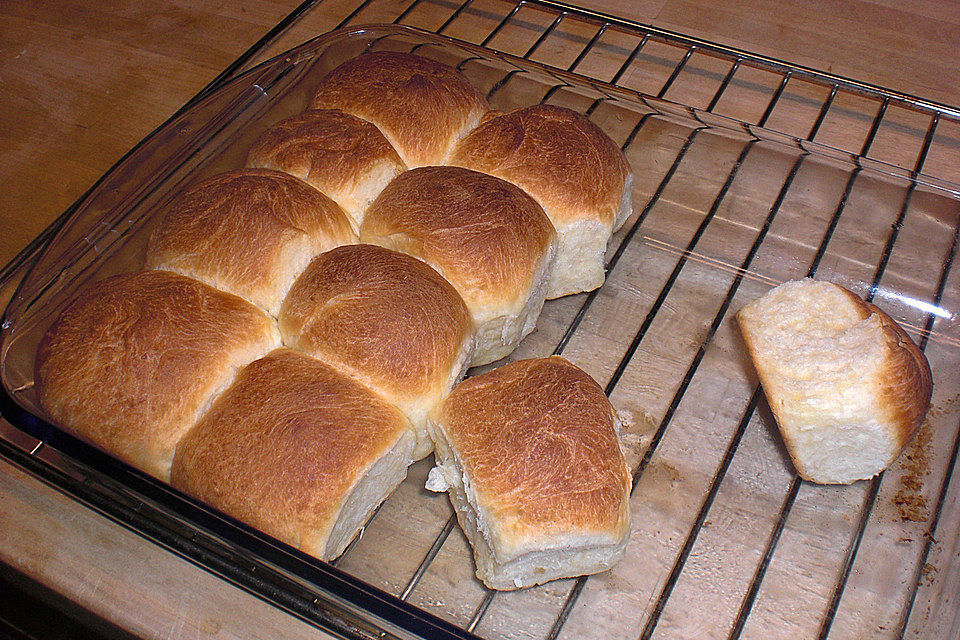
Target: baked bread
[(133, 361), (488, 238), (846, 384), (531, 458), (423, 107), (386, 319), (297, 450), (343, 156), (249, 232), (572, 168)]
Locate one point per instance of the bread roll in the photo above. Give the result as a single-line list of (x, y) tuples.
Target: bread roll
[(846, 384), (386, 319), (297, 450), (530, 456), (572, 168), (345, 157), (248, 232), (421, 106), (487, 237), (134, 360)]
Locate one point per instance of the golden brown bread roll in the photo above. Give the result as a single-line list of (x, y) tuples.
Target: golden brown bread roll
[(134, 360), (531, 458), (249, 232), (297, 450), (846, 384), (386, 319), (487, 237), (569, 166), (421, 106), (342, 156)]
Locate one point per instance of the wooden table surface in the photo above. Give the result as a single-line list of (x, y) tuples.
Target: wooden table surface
[(84, 82)]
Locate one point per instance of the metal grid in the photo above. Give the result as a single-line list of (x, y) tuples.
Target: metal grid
[(879, 101), (882, 102)]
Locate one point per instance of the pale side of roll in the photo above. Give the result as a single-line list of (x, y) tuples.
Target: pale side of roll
[(422, 106), (530, 457), (388, 320), (134, 360), (298, 450), (340, 155), (488, 238), (249, 232), (846, 384), (572, 168)]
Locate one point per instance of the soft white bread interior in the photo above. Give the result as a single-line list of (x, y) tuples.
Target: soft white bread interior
[(386, 319), (572, 168), (488, 238), (134, 360), (249, 232), (530, 456), (297, 450), (422, 106), (846, 384), (341, 155)]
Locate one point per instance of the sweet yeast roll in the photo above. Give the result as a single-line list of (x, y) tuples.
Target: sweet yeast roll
[(846, 384), (297, 450), (423, 107), (530, 456), (249, 232), (488, 238), (386, 319), (572, 168), (133, 361), (342, 156)]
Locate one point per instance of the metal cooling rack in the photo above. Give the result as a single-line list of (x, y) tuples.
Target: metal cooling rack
[(807, 106)]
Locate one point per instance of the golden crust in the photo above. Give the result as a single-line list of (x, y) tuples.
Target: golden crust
[(248, 232), (423, 107), (343, 156), (486, 236), (132, 361), (537, 441), (558, 156), (284, 445), (906, 383), (385, 318)]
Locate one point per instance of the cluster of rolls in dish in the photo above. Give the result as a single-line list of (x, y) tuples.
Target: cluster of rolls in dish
[(291, 347)]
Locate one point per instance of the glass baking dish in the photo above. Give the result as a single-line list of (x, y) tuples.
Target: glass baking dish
[(723, 211)]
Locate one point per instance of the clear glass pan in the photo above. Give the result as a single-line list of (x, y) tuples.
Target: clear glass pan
[(723, 211)]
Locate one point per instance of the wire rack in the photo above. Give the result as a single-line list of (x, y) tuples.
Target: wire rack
[(914, 142)]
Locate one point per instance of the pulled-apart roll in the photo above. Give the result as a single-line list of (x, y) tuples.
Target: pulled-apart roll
[(297, 450), (488, 238), (423, 107), (569, 166), (846, 384), (343, 156), (531, 458), (387, 319), (249, 232), (133, 361)]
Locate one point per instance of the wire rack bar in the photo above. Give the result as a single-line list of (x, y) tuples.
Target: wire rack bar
[(951, 465), (453, 16), (766, 62), (753, 590), (875, 482), (694, 533), (688, 377)]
